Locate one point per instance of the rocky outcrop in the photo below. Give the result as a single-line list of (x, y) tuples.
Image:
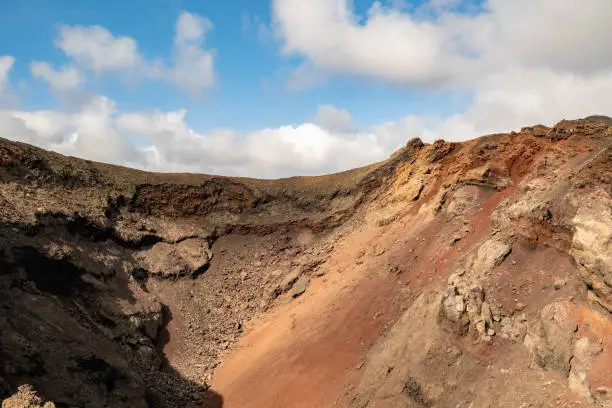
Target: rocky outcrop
[(187, 258), (583, 356), (592, 245), (552, 342), (465, 305), (26, 397)]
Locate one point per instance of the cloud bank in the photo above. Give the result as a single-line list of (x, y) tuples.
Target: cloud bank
[(522, 61)]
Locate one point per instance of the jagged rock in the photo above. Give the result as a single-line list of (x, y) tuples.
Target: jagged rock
[(592, 246), (300, 287), (26, 397), (148, 358), (460, 200), (290, 280), (552, 341), (187, 258), (464, 306), (537, 130), (558, 284), (486, 314), (147, 321), (489, 254), (583, 355), (514, 328)]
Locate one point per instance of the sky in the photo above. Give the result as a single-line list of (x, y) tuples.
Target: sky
[(278, 88)]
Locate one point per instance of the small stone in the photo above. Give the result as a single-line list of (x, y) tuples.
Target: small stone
[(520, 307), (559, 283), (300, 287), (459, 304), (455, 239), (485, 312), (491, 332), (395, 269), (513, 262)]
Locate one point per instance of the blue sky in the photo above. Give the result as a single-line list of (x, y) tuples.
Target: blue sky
[(371, 75), (250, 93)]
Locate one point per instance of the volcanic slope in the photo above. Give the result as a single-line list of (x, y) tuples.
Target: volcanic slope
[(473, 274)]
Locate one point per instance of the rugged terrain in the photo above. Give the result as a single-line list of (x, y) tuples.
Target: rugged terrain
[(474, 274)]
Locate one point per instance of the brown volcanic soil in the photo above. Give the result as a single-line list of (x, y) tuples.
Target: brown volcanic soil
[(475, 274)]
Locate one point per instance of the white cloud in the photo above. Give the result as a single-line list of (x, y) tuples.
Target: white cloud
[(6, 63), (98, 132), (521, 97), (284, 151), (305, 76), (451, 48), (96, 48), (62, 80), (263, 31), (329, 143), (193, 68), (191, 27), (331, 118), (391, 45), (88, 132), (511, 100)]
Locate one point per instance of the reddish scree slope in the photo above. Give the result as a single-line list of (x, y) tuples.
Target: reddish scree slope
[(474, 274)]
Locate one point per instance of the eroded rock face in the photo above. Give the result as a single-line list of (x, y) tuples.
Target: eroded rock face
[(584, 354), (465, 305), (552, 341), (110, 294), (488, 255), (26, 397), (592, 246), (187, 258)]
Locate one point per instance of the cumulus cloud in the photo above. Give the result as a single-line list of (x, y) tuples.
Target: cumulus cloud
[(98, 132), (6, 63), (96, 49), (289, 150), (88, 132), (193, 68), (334, 119), (391, 44), (328, 143), (452, 47), (510, 100), (61, 80)]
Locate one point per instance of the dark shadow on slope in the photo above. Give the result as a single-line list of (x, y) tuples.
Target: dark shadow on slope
[(73, 327)]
